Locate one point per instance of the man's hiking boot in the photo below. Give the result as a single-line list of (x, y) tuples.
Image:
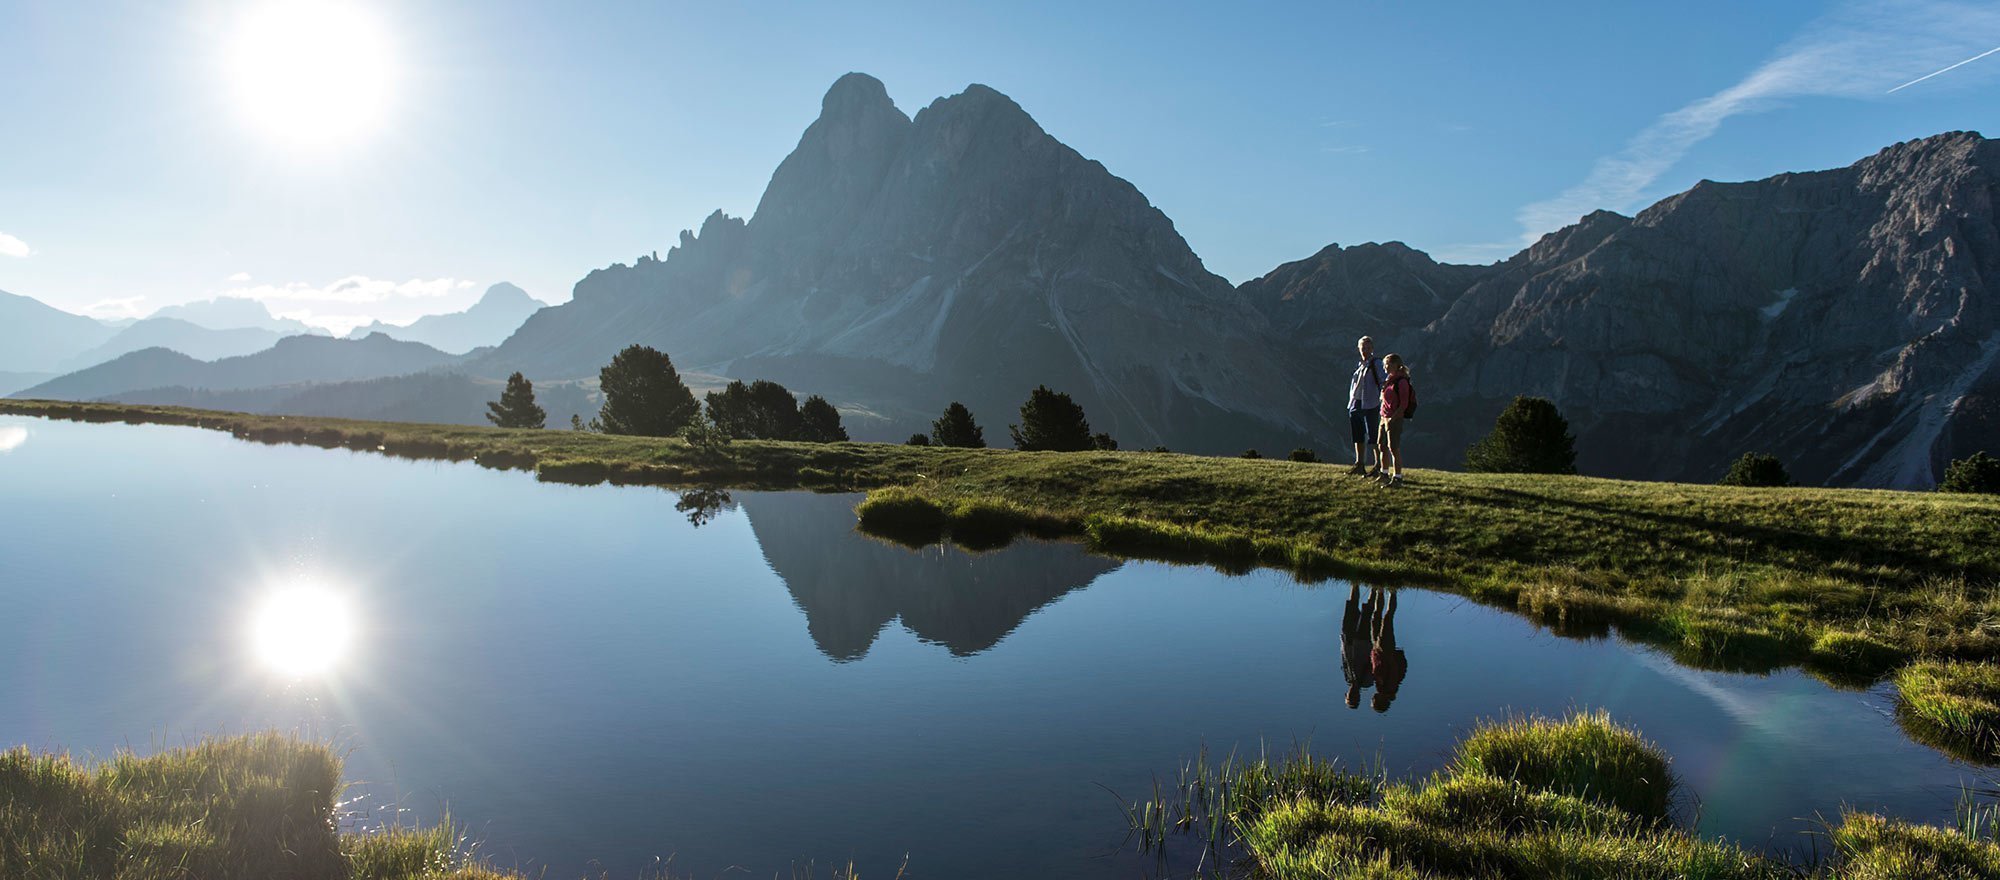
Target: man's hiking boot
[(1357, 470)]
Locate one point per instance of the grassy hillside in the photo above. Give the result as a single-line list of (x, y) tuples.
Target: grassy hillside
[(1850, 582)]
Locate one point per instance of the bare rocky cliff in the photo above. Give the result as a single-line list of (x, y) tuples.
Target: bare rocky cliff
[(896, 264), (1840, 319)]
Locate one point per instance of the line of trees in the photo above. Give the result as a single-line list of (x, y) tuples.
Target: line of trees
[(644, 395)]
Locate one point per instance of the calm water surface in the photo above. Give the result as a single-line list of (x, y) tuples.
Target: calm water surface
[(590, 681)]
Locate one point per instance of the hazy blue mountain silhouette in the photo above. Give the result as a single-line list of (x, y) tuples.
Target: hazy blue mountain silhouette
[(234, 312), (193, 340), (435, 396), (851, 586), (38, 338), (292, 360), (492, 319)]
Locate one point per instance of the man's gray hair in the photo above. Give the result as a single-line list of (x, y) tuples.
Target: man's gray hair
[(1363, 339)]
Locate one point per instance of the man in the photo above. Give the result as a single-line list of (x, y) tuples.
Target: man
[(1364, 405)]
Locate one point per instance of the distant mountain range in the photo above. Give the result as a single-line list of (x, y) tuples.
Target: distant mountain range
[(1840, 319), (292, 360), (193, 340), (37, 338), (436, 396), (233, 312), (496, 316)]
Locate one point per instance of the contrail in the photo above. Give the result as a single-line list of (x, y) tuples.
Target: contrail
[(1946, 70)]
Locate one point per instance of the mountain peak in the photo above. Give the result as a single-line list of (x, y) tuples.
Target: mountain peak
[(504, 293), (855, 94)]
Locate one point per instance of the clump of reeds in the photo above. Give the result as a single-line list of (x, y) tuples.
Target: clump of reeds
[(257, 806), (1954, 705)]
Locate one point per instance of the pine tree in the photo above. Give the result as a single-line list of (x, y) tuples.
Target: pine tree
[(1529, 437), (1103, 442), (644, 394), (516, 407), (819, 422), (918, 440), (1302, 454), (1979, 473), (761, 410), (956, 428), (1754, 469), (1051, 421)]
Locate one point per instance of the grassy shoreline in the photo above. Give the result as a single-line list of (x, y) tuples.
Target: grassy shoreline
[(1575, 797), (1850, 583), (1580, 796)]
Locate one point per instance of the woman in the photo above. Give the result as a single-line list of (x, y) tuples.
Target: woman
[(1399, 402)]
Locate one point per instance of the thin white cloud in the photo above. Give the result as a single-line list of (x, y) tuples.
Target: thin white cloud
[(13, 247), (352, 289), (1856, 52), (239, 277), (357, 300), (11, 438), (119, 307)]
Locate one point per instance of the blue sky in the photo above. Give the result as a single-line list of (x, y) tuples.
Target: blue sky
[(533, 142)]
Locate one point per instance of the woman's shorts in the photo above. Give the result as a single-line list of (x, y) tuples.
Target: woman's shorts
[(1392, 434)]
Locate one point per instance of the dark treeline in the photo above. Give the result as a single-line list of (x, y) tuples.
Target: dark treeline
[(645, 395)]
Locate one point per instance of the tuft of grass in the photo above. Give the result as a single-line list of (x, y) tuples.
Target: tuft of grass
[(1954, 705), (1871, 847), (1586, 756), (1539, 821), (256, 806)]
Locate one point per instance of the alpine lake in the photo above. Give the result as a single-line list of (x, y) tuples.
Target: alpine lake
[(630, 682)]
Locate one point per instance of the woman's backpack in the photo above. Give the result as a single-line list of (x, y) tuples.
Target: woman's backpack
[(1410, 393)]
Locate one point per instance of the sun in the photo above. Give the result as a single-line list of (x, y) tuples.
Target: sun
[(312, 73), (301, 631)]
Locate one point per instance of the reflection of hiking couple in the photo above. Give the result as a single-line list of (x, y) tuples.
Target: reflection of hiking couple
[(1368, 652)]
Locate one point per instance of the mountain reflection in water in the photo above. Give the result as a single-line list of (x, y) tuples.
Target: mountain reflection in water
[(851, 586)]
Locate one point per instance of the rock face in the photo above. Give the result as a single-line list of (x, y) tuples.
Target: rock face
[(897, 264), (1324, 303), (1839, 319)]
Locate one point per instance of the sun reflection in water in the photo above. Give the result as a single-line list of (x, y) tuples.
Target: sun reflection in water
[(302, 631)]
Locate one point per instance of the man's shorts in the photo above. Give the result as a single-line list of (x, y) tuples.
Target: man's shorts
[(1365, 423)]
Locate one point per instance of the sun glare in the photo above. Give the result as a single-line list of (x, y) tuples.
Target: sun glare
[(302, 631), (317, 73)]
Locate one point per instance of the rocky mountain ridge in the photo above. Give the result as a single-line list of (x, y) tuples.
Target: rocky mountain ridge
[(898, 263)]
